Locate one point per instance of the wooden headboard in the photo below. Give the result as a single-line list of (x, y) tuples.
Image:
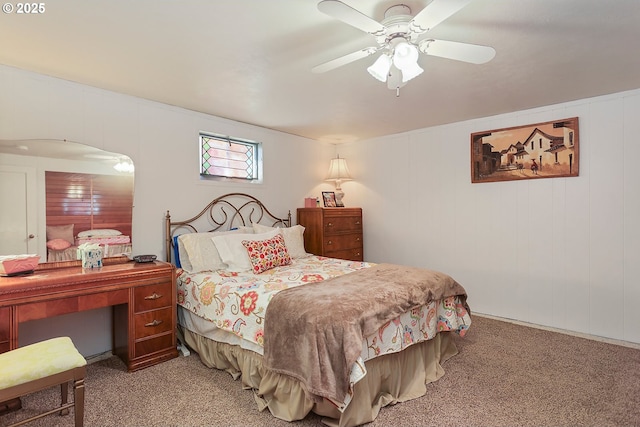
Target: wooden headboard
[(221, 214)]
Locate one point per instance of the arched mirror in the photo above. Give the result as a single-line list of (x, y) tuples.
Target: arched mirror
[(59, 194)]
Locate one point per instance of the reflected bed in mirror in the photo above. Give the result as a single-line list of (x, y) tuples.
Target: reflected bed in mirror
[(61, 194)]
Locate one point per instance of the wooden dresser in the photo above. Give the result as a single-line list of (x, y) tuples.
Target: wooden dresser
[(143, 297), (333, 232)]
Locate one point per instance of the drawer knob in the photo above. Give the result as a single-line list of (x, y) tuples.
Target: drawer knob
[(357, 222), (155, 322), (330, 242), (153, 296), (357, 239), (329, 224)]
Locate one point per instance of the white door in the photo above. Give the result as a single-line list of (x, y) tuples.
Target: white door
[(18, 211)]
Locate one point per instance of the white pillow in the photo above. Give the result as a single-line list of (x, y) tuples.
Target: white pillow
[(103, 232), (185, 264), (293, 238), (198, 253), (233, 252)]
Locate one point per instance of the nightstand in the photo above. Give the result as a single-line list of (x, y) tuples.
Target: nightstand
[(333, 232)]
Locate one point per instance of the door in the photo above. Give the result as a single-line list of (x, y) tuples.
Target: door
[(18, 211)]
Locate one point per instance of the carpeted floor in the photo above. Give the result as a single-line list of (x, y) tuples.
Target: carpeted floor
[(505, 375)]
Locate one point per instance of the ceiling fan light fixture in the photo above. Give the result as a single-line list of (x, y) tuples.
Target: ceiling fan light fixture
[(400, 37), (124, 165), (380, 68), (405, 55), (410, 72)]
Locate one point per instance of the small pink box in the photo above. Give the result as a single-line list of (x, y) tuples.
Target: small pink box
[(310, 202), (19, 264)]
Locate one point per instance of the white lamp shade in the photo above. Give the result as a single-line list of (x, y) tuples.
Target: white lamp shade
[(405, 55), (338, 170), (380, 68), (410, 72)]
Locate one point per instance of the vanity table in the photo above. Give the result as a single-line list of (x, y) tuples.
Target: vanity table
[(143, 297)]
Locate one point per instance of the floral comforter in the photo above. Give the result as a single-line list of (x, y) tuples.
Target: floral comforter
[(237, 303)]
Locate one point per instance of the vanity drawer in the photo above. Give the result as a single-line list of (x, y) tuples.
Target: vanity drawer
[(150, 297), (4, 329), (4, 324), (153, 322), (151, 345)]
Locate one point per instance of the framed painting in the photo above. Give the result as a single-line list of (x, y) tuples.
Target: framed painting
[(540, 150), (329, 199)]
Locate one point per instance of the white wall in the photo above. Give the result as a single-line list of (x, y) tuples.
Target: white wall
[(572, 260), (420, 207), (163, 142)]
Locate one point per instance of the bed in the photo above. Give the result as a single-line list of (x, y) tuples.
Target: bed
[(62, 244), (307, 333)]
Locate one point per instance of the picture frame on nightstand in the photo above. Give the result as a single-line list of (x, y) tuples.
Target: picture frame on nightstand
[(329, 199)]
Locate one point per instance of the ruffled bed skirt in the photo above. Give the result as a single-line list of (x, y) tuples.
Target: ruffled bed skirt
[(390, 379), (71, 253)]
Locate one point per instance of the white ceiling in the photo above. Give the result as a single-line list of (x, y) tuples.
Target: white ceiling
[(250, 60)]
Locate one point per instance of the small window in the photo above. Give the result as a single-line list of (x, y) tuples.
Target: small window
[(228, 157)]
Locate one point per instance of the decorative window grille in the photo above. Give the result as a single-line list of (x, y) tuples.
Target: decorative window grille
[(224, 156)]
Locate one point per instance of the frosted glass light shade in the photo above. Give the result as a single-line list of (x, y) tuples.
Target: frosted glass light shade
[(124, 166), (405, 55), (410, 72), (380, 68)]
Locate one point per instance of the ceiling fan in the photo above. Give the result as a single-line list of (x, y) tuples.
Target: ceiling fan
[(400, 37)]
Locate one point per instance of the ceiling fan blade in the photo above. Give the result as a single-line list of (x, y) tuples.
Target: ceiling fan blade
[(351, 16), (435, 12), (472, 53), (343, 60)]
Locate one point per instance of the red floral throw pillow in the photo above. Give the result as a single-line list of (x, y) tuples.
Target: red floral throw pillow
[(267, 254)]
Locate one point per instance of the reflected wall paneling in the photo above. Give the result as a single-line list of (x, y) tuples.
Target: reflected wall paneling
[(89, 201)]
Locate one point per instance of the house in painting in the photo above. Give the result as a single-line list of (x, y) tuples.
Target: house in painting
[(513, 157)]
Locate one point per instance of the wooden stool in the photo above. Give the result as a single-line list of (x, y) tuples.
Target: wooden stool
[(35, 367)]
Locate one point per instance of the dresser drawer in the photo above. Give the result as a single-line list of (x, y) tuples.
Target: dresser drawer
[(342, 224), (343, 241), (350, 254), (153, 322), (152, 296), (151, 345)]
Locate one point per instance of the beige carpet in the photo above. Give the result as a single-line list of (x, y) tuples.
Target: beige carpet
[(505, 375)]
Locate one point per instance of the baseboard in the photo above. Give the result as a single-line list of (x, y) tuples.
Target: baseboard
[(563, 331), (98, 357)]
